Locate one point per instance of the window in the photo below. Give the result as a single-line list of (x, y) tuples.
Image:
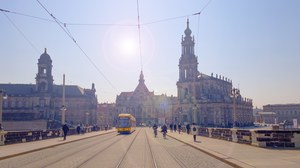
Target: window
[(124, 122)]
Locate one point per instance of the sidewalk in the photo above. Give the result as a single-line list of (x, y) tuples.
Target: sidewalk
[(7, 151), (242, 155)]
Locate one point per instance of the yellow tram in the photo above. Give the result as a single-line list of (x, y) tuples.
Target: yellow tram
[(126, 123)]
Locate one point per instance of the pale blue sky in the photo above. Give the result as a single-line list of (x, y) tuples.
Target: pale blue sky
[(255, 43)]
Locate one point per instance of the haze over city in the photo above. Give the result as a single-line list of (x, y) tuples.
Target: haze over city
[(253, 43)]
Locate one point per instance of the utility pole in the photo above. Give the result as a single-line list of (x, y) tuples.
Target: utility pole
[(63, 108), (235, 92)]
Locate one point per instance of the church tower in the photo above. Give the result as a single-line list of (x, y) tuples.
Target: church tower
[(44, 78), (188, 63), (188, 66)]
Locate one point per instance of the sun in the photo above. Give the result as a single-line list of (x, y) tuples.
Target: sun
[(128, 46)]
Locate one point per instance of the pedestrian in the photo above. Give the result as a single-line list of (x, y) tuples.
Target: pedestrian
[(78, 129), (164, 130), (179, 128), (194, 131), (155, 129), (65, 129), (174, 127), (188, 128), (171, 127)]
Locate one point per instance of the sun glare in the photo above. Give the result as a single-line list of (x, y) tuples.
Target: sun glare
[(128, 47)]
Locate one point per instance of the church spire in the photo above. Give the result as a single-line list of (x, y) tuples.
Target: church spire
[(188, 63), (188, 31), (141, 80)]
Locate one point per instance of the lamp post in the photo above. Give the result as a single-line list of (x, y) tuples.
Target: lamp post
[(63, 114), (2, 96), (179, 116), (234, 92), (87, 118), (195, 114), (63, 107)]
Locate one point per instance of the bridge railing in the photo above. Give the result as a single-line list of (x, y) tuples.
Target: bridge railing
[(13, 137), (260, 138)]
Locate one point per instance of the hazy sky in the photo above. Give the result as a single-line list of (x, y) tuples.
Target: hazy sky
[(254, 43)]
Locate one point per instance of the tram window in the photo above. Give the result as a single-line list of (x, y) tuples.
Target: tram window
[(124, 122)]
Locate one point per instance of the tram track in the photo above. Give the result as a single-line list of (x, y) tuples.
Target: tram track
[(82, 148), (124, 155), (50, 160), (147, 147), (176, 159), (151, 150), (139, 149), (99, 152)]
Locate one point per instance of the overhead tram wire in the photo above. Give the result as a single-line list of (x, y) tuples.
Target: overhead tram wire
[(198, 24), (168, 19), (73, 39), (139, 29), (26, 15), (96, 24), (23, 35)]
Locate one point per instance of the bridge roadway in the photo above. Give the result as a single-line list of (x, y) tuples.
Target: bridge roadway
[(141, 149)]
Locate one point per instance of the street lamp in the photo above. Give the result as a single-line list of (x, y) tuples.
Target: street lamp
[(195, 114), (235, 92), (87, 118), (2, 96), (179, 116), (63, 114)]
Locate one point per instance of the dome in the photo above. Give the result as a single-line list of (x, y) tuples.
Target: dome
[(45, 57), (188, 31)]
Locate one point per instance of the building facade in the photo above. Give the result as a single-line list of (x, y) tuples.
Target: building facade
[(106, 114), (207, 100), (144, 105), (43, 100), (281, 112)]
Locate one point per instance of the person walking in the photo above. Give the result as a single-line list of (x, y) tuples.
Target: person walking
[(65, 129), (155, 129), (171, 127), (194, 131), (175, 127), (179, 128), (78, 129), (188, 128)]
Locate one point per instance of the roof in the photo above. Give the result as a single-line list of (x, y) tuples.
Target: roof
[(141, 87), (70, 90), (126, 94), (29, 89), (18, 89)]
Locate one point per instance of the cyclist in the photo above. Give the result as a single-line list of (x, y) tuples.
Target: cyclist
[(164, 130)]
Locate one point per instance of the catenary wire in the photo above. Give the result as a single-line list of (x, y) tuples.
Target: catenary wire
[(198, 24), (73, 39), (19, 30), (139, 30)]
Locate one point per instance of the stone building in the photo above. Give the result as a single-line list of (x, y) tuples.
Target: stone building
[(207, 100), (281, 112), (144, 105), (106, 114), (43, 100)]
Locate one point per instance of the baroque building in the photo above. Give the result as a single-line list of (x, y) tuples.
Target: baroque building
[(43, 100), (280, 113), (144, 105), (207, 100)]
